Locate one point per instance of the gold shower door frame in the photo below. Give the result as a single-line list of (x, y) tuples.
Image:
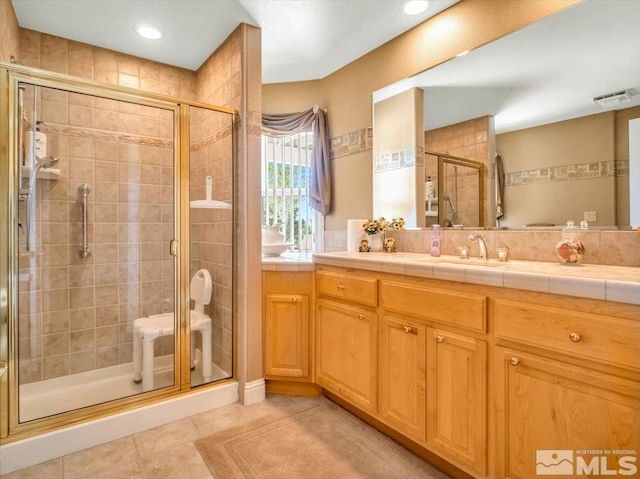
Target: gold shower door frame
[(10, 77)]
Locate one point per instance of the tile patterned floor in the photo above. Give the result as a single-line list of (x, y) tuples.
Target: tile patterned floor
[(165, 452)]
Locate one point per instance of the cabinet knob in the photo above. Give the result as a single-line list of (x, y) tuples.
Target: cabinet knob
[(294, 300), (341, 286), (514, 361), (406, 329), (575, 337), (362, 316), (440, 338)]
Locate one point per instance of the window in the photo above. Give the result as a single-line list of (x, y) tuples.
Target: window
[(286, 176)]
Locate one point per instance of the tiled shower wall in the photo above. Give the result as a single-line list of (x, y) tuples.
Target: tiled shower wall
[(93, 63)]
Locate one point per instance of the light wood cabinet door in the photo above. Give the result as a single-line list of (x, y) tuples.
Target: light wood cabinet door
[(456, 404), (402, 375), (286, 336), (547, 405), (346, 353)]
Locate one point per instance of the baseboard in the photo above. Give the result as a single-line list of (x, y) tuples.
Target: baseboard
[(254, 392), (293, 388), (37, 449)]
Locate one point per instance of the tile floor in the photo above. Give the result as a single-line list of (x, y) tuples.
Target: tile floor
[(166, 452)]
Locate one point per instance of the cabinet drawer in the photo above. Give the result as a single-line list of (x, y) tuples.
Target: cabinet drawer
[(468, 311), (592, 336), (348, 287)]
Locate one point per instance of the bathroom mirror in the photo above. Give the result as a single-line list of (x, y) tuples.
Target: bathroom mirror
[(529, 97)]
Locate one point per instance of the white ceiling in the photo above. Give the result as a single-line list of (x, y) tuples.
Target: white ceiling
[(301, 39), (546, 72)]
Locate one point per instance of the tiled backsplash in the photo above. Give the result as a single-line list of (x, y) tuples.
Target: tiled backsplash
[(616, 248)]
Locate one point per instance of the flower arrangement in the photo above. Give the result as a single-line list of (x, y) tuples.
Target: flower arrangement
[(372, 227), (397, 224)]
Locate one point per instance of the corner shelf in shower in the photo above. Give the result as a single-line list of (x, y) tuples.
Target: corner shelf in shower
[(43, 174), (428, 211)]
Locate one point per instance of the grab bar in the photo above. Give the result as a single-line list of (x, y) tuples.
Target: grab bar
[(84, 190)]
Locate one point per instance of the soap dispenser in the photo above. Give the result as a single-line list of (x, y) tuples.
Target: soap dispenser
[(36, 143), (429, 190), (570, 249)]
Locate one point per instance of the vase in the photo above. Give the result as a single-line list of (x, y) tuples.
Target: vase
[(375, 242)]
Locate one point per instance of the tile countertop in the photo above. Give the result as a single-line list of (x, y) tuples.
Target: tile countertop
[(609, 283), (290, 261)]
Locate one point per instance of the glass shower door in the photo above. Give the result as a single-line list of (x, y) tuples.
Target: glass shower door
[(95, 220), (211, 244)]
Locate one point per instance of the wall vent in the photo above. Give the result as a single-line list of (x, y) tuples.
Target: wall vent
[(613, 99)]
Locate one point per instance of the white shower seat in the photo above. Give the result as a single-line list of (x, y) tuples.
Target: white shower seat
[(147, 330)]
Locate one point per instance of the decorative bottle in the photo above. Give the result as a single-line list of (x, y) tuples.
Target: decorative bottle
[(435, 241), (570, 249)]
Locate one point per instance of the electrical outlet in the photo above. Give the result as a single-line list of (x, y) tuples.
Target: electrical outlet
[(590, 216)]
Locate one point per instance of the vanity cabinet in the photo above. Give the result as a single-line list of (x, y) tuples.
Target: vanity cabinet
[(403, 354), (450, 329), (549, 405), (475, 378), (567, 381), (347, 337), (456, 398), (346, 359), (286, 319), (288, 329)]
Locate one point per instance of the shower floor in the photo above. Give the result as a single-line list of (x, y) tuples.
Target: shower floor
[(54, 396)]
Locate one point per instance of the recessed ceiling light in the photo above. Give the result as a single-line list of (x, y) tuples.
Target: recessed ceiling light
[(148, 31), (413, 7)]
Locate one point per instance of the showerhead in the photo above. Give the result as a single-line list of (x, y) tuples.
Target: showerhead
[(46, 162), (447, 198)]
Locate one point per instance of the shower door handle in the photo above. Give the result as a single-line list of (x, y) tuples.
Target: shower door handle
[(173, 247)]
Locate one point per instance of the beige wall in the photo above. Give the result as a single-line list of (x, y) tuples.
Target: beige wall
[(398, 172), (556, 172), (347, 92), (9, 46), (622, 163)]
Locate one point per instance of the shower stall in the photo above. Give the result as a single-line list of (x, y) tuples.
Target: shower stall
[(459, 190), (102, 227)]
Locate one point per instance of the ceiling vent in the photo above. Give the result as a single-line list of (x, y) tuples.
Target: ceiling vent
[(613, 99)]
